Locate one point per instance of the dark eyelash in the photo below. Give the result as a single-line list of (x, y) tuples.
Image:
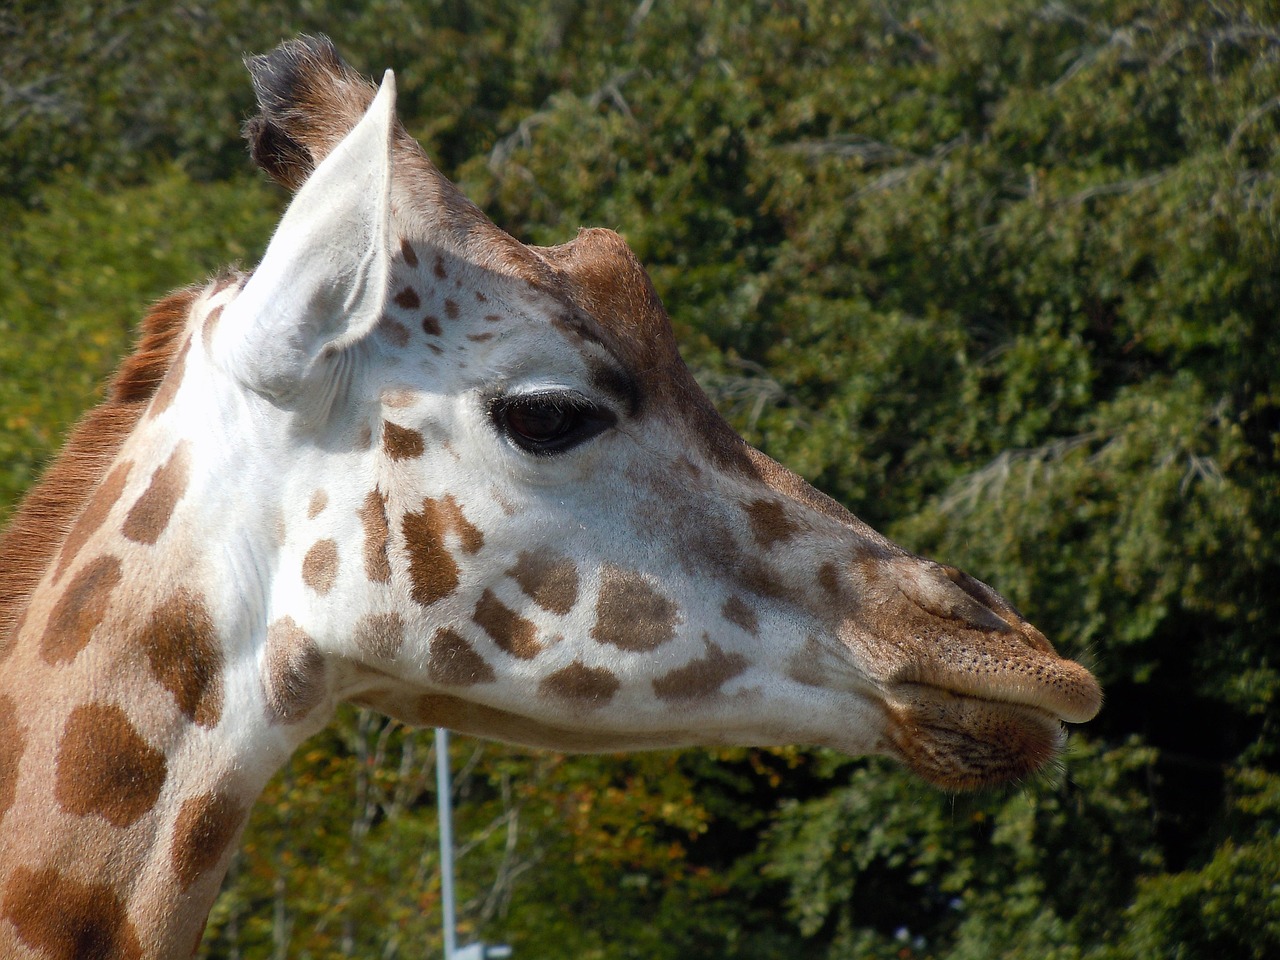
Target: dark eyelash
[(548, 423)]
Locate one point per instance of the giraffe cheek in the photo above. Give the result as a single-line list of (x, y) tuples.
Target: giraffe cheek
[(380, 635), (433, 572), (631, 614), (510, 631), (548, 579)]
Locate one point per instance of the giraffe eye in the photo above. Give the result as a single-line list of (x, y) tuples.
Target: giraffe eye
[(548, 423)]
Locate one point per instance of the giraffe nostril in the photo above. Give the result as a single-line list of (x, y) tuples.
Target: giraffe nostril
[(983, 648), (949, 594)]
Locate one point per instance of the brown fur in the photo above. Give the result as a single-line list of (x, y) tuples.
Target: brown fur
[(454, 662), (185, 653), (66, 919), (631, 614), (83, 605), (105, 767), (205, 827), (294, 672), (510, 631), (589, 686), (42, 520), (549, 579), (700, 678), (12, 745)]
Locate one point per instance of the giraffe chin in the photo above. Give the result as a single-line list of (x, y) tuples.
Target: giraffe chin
[(960, 742)]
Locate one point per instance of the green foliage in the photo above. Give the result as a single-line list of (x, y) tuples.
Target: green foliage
[(1001, 275), (75, 277)]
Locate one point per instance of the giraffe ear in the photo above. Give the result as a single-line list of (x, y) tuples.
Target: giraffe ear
[(322, 283)]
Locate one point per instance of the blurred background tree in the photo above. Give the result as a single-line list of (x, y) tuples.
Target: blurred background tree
[(1000, 275)]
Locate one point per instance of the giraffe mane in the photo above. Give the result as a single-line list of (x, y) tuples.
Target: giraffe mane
[(41, 521)]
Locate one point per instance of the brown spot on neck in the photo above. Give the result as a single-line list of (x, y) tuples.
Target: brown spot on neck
[(12, 746), (149, 516), (65, 919), (83, 605), (210, 326), (736, 611), (319, 500), (173, 379), (105, 768), (380, 635), (202, 834), (807, 665), (408, 299), (30, 541), (399, 397), (631, 614), (510, 631), (408, 253), (829, 580), (548, 579), (183, 649), (94, 515)]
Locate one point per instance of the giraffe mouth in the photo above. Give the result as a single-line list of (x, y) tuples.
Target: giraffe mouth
[(961, 741)]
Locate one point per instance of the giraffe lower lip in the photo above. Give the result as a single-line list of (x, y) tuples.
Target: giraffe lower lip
[(962, 742)]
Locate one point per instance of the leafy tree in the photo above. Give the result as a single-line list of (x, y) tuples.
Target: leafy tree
[(999, 274)]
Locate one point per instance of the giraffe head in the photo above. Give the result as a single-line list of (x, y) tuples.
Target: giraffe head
[(502, 504)]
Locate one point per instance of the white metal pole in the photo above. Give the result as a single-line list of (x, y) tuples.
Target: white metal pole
[(444, 810)]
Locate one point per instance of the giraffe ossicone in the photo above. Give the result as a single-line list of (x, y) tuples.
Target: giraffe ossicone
[(415, 464)]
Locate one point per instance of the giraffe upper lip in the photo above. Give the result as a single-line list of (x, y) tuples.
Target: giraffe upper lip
[(1062, 689)]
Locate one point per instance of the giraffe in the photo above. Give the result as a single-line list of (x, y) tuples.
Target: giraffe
[(412, 463)]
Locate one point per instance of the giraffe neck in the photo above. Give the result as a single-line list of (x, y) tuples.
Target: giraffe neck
[(135, 731), (133, 753)]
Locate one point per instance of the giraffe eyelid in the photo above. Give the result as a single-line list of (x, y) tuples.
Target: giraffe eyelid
[(548, 421)]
